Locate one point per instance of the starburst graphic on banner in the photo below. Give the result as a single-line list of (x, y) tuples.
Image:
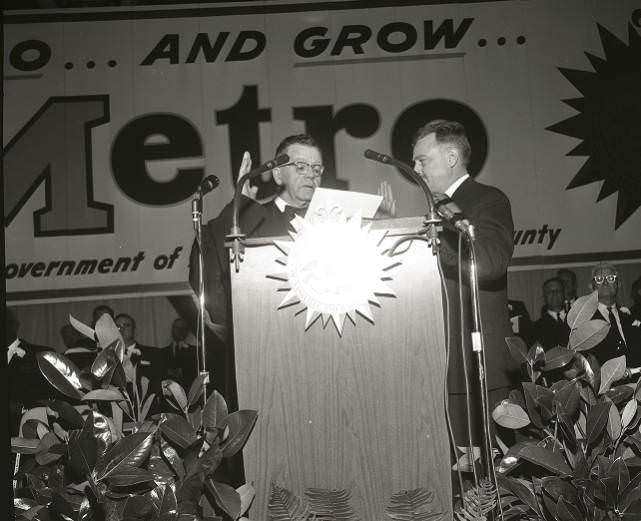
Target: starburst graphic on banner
[(334, 269), (609, 122)]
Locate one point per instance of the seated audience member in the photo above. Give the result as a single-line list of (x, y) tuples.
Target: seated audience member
[(27, 385), (148, 360), (551, 329), (180, 354), (78, 348), (635, 310), (568, 278), (521, 322), (624, 336)]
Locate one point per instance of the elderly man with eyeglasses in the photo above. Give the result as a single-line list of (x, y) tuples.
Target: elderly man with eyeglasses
[(624, 336)]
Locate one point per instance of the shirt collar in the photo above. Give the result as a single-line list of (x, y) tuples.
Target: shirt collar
[(281, 203), (452, 188), (553, 314)]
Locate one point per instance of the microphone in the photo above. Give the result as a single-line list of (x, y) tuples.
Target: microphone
[(269, 165), (377, 156), (451, 212), (208, 184)]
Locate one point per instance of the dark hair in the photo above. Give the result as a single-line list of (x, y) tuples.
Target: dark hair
[(553, 279), (449, 132), (125, 315), (565, 271), (297, 139)]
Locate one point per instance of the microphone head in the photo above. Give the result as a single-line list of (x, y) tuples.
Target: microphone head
[(377, 156), (208, 184), (280, 160)]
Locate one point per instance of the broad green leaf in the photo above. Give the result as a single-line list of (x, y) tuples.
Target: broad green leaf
[(214, 411), (164, 501), (131, 450), (568, 398), (589, 373), (566, 511), (83, 448), (105, 395), (583, 309), (620, 394), (146, 406), (557, 357), (162, 472), (226, 497), (106, 331), (530, 393), (81, 327), (175, 390), (178, 430), (611, 371), (246, 493), (628, 413), (614, 423), (517, 348), (557, 487), (43, 455), (24, 445), (240, 425), (589, 334), (104, 362), (521, 489), (127, 475), (173, 459), (196, 389), (552, 461), (510, 415), (67, 413), (536, 354), (596, 421), (136, 507), (60, 372)]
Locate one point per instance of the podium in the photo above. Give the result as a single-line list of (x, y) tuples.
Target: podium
[(362, 411)]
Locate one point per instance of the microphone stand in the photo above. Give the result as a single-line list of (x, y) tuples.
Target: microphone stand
[(235, 235), (478, 349), (196, 217)]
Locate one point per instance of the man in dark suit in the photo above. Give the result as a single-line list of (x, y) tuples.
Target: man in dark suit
[(441, 155), (552, 329), (27, 385), (520, 320), (148, 361), (624, 336), (298, 179), (180, 355)]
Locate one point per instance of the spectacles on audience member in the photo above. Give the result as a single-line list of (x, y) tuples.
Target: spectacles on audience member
[(302, 167), (599, 279)]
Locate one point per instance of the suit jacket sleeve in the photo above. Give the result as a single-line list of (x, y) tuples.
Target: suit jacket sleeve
[(216, 257), (491, 217)]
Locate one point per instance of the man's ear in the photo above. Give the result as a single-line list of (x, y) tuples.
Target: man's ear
[(452, 157), (277, 176)]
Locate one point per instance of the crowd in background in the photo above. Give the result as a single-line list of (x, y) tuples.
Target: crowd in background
[(176, 358)]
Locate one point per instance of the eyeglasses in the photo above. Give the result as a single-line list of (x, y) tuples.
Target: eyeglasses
[(302, 167), (599, 279)]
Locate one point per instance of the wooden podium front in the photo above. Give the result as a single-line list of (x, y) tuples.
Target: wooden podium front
[(362, 411)]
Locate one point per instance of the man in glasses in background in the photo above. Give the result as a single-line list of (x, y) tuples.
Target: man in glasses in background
[(624, 336)]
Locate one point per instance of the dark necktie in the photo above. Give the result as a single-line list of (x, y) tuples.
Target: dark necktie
[(558, 317), (614, 327), (291, 211)]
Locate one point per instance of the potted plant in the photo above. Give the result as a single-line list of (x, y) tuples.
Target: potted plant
[(96, 456), (577, 456)]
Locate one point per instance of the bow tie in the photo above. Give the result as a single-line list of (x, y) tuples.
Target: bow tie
[(291, 211)]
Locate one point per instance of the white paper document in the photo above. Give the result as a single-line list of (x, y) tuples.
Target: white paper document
[(328, 203)]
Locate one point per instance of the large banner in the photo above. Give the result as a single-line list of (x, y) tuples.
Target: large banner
[(113, 117)]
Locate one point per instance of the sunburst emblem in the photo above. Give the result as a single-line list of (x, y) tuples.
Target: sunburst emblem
[(609, 122), (334, 268)]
